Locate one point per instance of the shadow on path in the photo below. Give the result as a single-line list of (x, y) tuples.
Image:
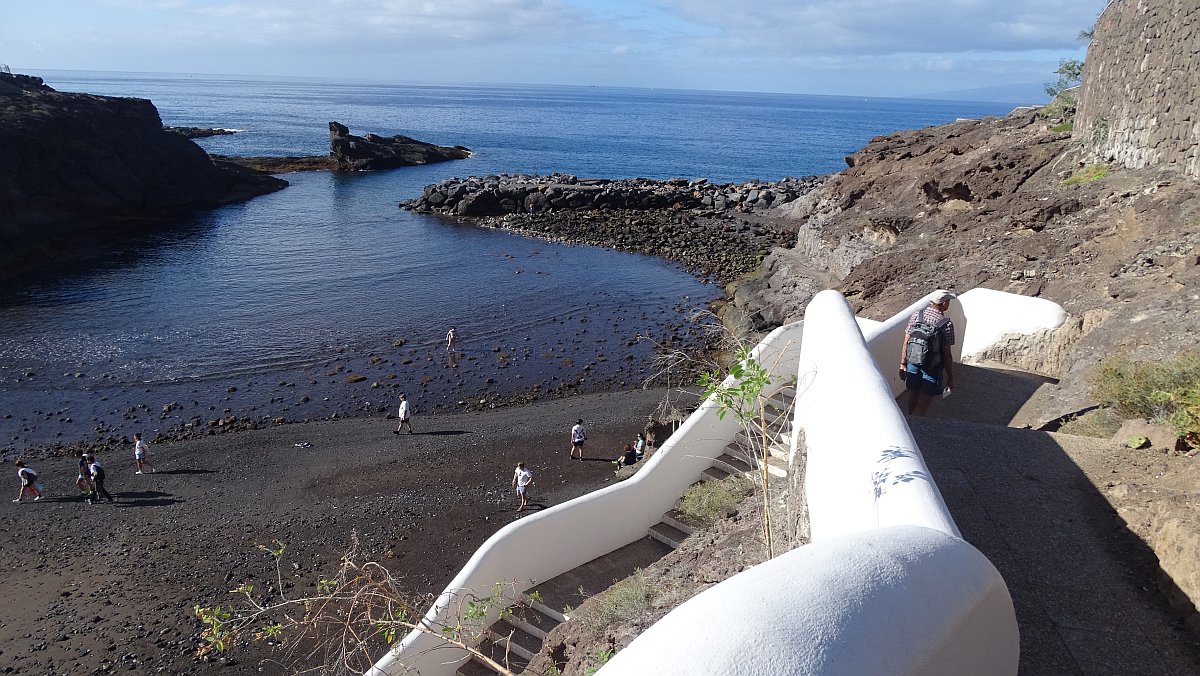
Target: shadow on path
[(1081, 582)]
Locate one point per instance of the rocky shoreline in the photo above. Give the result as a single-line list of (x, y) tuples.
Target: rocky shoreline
[(720, 230)]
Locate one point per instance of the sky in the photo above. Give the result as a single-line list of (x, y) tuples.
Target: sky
[(848, 47)]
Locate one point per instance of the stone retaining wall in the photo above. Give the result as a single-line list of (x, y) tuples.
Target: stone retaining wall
[(1141, 89)]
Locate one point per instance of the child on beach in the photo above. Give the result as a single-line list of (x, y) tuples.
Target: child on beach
[(578, 436), (84, 481), (404, 416), (28, 476), (521, 479), (452, 339), (139, 454)]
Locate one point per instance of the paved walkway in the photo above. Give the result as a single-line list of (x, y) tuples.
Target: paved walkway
[(1082, 584)]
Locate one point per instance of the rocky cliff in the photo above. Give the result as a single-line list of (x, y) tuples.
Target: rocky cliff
[(75, 163), (1004, 204)]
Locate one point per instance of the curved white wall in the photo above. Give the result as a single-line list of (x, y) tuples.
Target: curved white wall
[(529, 551), (886, 586), (902, 600), (864, 470)]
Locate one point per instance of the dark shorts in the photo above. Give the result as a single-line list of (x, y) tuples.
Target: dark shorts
[(578, 444), (920, 380)]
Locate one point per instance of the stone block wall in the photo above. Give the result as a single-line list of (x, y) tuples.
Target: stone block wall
[(1140, 100)]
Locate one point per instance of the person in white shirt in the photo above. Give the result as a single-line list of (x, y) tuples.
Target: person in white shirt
[(28, 477), (522, 477), (578, 436), (639, 446), (404, 416), (139, 454), (97, 472)]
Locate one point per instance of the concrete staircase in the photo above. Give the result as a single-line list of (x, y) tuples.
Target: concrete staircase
[(742, 455), (514, 640)]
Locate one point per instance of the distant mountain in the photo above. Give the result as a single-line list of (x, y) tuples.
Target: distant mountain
[(1024, 93)]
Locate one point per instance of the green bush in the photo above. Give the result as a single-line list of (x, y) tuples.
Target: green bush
[(1166, 392), (705, 503), (626, 600), (1065, 126), (1092, 172)]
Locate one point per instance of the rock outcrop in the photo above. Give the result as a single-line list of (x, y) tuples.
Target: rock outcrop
[(76, 163), (710, 228), (373, 152), (348, 152)]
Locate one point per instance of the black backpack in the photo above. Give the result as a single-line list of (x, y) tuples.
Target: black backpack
[(924, 346)]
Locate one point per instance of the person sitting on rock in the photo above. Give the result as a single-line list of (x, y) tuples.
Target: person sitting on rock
[(628, 456)]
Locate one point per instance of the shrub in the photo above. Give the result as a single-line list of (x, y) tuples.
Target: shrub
[(1101, 423), (1166, 392), (705, 503), (1065, 126), (1092, 172), (624, 601)]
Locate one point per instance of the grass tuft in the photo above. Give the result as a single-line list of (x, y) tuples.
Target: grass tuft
[(705, 503), (1090, 173)]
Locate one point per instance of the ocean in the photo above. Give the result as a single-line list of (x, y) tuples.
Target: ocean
[(269, 309)]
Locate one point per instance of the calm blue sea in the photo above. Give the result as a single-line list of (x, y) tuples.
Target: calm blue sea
[(265, 308)]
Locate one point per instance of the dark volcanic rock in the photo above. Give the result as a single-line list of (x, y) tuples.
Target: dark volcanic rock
[(74, 163), (199, 132), (723, 230), (371, 152)]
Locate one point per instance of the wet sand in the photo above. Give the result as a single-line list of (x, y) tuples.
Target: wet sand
[(112, 587)]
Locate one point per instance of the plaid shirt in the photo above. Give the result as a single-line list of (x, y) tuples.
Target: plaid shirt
[(932, 315)]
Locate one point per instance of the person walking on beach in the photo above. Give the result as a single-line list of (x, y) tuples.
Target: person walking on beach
[(404, 416), (28, 477), (522, 477), (139, 454), (96, 471), (84, 481), (578, 436), (926, 361), (452, 340)]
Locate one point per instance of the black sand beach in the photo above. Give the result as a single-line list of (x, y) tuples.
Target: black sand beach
[(112, 587)]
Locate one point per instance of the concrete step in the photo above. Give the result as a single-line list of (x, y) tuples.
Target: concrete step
[(668, 535), (511, 659), (543, 609), (518, 641), (674, 520), (713, 474), (532, 621), (473, 667), (753, 438), (781, 451), (733, 464), (777, 467)]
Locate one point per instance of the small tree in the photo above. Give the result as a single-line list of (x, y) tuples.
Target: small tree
[(1070, 74)]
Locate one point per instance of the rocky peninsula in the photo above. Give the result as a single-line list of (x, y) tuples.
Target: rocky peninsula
[(78, 166), (722, 230), (348, 153)]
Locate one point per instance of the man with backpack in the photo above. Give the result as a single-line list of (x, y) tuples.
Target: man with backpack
[(926, 356)]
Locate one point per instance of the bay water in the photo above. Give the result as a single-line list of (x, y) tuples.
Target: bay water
[(274, 308)]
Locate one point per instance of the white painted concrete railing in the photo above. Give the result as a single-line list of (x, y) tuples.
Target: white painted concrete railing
[(546, 544), (886, 585)]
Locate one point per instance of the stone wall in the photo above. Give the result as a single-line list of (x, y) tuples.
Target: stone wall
[(1141, 88)]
